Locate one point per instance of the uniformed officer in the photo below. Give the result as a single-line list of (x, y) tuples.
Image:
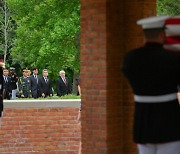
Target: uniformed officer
[(24, 85), (13, 82), (154, 73)]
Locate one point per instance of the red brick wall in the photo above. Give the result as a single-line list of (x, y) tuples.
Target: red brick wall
[(133, 37), (40, 130), (93, 76), (108, 30), (114, 48)]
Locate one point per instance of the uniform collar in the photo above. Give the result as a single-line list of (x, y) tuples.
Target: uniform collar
[(153, 44)]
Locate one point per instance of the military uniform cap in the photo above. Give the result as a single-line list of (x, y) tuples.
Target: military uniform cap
[(154, 22), (25, 70), (12, 68)]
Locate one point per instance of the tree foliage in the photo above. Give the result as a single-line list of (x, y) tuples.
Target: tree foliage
[(7, 27), (168, 7), (46, 34)]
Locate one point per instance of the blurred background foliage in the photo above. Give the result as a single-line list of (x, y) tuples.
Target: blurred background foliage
[(45, 35), (168, 7)]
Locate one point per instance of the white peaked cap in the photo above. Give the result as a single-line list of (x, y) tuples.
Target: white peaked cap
[(153, 22)]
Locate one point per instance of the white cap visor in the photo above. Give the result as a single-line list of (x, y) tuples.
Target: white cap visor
[(152, 22)]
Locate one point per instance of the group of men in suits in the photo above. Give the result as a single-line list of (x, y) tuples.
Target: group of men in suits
[(36, 86), (41, 86)]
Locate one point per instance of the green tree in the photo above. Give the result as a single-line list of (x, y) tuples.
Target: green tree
[(46, 35), (168, 7), (7, 27)]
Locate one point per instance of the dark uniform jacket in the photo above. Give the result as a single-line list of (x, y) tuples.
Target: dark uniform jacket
[(34, 86), (154, 71), (45, 87), (13, 81), (1, 91), (62, 87), (24, 85)]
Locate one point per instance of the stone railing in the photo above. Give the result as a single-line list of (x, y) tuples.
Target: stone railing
[(43, 103)]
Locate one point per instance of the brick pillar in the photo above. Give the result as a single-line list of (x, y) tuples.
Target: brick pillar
[(133, 37), (93, 76), (108, 30), (114, 52)]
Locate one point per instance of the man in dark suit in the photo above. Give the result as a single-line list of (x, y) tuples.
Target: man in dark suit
[(62, 84), (34, 78), (45, 86), (6, 83)]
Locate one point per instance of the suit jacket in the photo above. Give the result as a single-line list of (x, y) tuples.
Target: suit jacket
[(1, 91), (44, 87), (7, 87), (34, 86), (61, 87)]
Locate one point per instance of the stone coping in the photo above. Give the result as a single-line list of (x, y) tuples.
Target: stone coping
[(44, 103)]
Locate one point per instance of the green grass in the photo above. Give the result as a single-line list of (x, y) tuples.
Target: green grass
[(63, 97), (70, 96)]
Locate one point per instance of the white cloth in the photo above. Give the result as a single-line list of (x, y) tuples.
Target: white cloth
[(14, 94), (164, 148)]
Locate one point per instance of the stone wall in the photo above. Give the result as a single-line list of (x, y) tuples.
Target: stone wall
[(40, 126)]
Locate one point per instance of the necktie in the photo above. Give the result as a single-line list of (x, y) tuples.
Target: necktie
[(35, 76), (64, 79), (46, 80), (6, 80)]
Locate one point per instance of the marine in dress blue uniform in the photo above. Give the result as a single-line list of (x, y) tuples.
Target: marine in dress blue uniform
[(154, 74)]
